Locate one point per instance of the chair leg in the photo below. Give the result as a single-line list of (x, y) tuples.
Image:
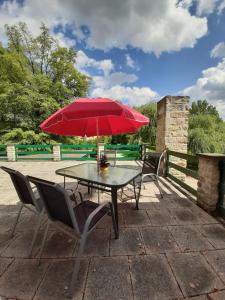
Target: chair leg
[(160, 190), (17, 219), (113, 219), (43, 242), (36, 232), (77, 264)]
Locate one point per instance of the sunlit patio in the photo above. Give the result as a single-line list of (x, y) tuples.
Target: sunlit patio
[(168, 249)]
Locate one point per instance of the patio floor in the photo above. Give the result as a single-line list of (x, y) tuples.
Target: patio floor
[(169, 249)]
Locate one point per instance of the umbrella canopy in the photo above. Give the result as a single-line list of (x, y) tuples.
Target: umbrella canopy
[(94, 117)]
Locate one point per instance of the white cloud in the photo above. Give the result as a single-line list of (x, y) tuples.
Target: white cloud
[(83, 62), (63, 40), (218, 50), (210, 86), (129, 61), (133, 95), (116, 78), (221, 7), (153, 26), (205, 7)]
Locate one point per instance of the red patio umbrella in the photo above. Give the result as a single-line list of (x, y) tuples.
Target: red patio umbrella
[(94, 117)]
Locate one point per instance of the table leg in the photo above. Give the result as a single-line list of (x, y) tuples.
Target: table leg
[(64, 181), (114, 202)]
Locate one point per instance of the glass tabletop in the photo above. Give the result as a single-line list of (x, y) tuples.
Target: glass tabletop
[(112, 177)]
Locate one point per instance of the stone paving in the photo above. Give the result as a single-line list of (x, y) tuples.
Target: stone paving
[(169, 249)]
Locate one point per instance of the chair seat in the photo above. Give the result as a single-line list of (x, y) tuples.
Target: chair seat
[(84, 209)]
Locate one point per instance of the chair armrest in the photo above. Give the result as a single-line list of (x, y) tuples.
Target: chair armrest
[(92, 215)]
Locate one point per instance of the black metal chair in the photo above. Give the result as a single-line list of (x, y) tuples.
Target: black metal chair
[(82, 219), (150, 169), (29, 199)]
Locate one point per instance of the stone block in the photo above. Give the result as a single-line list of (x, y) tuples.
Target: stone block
[(193, 273), (151, 275), (108, 278)]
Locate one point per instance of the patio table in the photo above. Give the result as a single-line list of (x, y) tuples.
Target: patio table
[(111, 180)]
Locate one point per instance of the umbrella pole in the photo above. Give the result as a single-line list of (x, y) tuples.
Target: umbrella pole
[(97, 130)]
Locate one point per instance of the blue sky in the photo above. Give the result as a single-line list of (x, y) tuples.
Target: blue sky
[(137, 51)]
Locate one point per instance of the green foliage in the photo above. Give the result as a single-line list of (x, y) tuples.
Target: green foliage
[(202, 107), (146, 134), (206, 129), (18, 136), (37, 77)]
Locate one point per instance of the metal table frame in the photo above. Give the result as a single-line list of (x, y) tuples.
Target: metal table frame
[(104, 186)]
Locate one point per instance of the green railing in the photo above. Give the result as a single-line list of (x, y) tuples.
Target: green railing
[(34, 152), (3, 153), (125, 152), (78, 152), (187, 171), (221, 189)]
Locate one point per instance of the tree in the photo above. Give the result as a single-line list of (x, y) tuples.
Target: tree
[(203, 107), (37, 77), (206, 131), (147, 134)]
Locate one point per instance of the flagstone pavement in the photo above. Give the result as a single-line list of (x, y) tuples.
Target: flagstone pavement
[(168, 249)]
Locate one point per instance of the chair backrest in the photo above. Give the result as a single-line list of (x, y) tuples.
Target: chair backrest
[(56, 202), (152, 162), (22, 186)]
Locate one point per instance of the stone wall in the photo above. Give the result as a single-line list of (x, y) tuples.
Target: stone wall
[(208, 179), (172, 128)]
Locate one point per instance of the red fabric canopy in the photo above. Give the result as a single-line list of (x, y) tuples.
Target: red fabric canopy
[(94, 117)]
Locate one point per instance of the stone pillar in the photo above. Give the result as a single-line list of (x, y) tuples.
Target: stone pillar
[(11, 152), (56, 152), (208, 179), (172, 128)]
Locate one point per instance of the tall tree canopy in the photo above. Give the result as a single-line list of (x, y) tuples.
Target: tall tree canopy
[(206, 129), (37, 77)]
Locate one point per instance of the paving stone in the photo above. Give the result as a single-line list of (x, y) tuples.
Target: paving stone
[(106, 223), (152, 278), (193, 274), (20, 245), (202, 297), (128, 243), (108, 278), (135, 218), (158, 239), (161, 217), (184, 203), (217, 260), (189, 238), (97, 243), (9, 209), (217, 296), (22, 279), (28, 220), (7, 221), (4, 263), (57, 281), (204, 216), (5, 240), (148, 205), (215, 234), (184, 216), (59, 244)]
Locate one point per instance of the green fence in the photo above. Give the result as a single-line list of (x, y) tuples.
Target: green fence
[(34, 152), (3, 153), (221, 189), (78, 152), (187, 171), (125, 152)]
